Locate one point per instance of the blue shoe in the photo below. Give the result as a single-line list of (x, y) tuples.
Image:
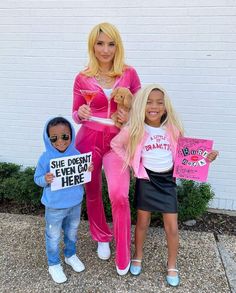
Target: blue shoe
[(135, 270), (173, 280)]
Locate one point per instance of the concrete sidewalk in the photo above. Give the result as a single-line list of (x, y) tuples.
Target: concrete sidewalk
[(205, 264)]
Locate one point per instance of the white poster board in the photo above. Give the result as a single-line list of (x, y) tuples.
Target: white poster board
[(70, 171)]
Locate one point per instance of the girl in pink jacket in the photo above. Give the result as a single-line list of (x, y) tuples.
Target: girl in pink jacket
[(148, 145), (106, 71)]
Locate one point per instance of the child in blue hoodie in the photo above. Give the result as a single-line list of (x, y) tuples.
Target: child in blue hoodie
[(63, 206)]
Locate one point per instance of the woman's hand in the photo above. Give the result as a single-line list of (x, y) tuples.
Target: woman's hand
[(212, 155), (122, 116), (49, 178), (84, 112)]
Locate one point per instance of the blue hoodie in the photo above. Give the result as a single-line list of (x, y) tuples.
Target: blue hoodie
[(63, 198)]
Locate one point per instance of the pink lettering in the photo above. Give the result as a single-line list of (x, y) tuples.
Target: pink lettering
[(148, 147)]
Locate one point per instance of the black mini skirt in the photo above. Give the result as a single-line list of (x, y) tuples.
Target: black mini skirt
[(158, 194)]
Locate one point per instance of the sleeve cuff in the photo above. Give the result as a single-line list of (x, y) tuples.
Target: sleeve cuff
[(76, 117)]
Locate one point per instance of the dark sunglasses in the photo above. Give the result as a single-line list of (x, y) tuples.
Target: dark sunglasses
[(54, 138)]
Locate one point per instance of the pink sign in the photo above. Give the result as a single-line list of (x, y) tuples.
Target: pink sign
[(191, 162)]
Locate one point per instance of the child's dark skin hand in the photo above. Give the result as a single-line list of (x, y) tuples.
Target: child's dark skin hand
[(212, 155), (49, 178), (122, 116), (91, 167)]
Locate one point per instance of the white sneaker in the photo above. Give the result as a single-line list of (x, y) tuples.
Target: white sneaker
[(75, 263), (124, 271), (103, 250), (57, 273)]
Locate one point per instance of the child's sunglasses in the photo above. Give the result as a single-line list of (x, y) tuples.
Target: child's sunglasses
[(54, 138)]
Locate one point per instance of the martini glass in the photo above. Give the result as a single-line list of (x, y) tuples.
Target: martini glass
[(88, 95)]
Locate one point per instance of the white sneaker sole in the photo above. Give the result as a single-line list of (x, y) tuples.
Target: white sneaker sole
[(124, 271), (58, 281)]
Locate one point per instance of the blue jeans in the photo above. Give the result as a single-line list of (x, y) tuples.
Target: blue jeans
[(57, 220)]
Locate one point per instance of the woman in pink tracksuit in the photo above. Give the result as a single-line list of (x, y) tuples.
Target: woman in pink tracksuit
[(106, 71)]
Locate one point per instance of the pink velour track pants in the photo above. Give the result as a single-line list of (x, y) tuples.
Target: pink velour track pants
[(118, 180)]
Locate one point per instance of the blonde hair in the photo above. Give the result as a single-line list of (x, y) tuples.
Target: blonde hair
[(111, 31), (137, 119)]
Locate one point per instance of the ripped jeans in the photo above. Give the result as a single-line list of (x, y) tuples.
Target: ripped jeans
[(68, 220)]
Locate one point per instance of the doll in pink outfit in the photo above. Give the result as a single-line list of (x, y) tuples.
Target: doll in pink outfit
[(106, 71)]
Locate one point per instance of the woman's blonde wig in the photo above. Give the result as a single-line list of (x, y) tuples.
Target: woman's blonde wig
[(112, 32)]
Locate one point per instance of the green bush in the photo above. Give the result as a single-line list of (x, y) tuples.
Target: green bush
[(193, 199), (7, 170), (18, 185)]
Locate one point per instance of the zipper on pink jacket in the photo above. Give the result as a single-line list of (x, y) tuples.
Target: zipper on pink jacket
[(108, 108)]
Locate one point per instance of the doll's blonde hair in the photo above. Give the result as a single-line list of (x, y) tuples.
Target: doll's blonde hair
[(118, 63), (136, 121)]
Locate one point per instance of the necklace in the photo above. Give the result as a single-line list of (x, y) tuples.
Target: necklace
[(104, 80)]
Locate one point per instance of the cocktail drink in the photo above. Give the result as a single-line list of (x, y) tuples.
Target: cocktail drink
[(88, 95)]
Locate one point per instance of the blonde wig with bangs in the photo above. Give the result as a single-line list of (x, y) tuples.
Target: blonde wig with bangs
[(136, 121), (118, 63)]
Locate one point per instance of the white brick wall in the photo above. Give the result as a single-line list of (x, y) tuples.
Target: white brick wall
[(187, 46)]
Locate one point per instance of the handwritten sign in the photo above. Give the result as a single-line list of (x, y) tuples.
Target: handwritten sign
[(191, 162), (70, 171)]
